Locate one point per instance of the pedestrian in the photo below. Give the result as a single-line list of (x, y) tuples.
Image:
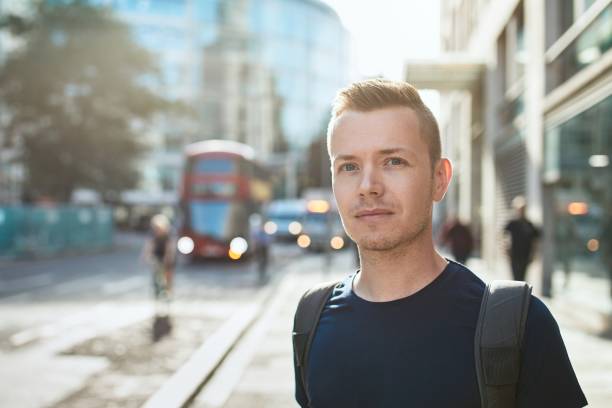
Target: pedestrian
[(400, 331), (458, 237), (262, 242), (159, 252), (523, 237)]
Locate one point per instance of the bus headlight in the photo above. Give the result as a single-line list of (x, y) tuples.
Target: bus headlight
[(233, 255), (239, 246), (337, 242), (185, 245)]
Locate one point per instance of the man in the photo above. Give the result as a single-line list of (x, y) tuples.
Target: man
[(523, 236), (400, 331)]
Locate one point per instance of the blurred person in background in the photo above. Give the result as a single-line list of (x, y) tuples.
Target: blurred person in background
[(458, 237), (262, 242), (159, 252), (523, 238)]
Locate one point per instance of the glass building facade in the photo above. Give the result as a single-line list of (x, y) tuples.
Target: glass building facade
[(262, 72), (301, 42), (578, 142), (578, 160)]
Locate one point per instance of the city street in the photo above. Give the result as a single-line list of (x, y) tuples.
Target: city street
[(166, 201)]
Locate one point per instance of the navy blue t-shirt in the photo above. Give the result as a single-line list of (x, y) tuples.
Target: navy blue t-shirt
[(418, 351)]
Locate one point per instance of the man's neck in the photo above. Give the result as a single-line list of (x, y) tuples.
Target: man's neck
[(399, 272)]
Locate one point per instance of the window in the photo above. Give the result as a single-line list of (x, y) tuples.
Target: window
[(586, 49), (213, 166)]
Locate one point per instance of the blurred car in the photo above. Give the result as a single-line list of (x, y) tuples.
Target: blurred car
[(322, 228), (284, 219)]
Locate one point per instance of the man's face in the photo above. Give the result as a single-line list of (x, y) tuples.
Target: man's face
[(382, 177)]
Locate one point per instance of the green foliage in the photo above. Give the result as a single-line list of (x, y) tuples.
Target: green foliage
[(72, 95)]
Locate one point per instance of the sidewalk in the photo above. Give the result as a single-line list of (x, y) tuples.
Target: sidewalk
[(260, 372)]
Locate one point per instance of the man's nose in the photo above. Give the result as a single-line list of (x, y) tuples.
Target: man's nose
[(371, 183)]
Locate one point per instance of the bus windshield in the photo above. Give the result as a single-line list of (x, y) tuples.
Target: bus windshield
[(210, 218)]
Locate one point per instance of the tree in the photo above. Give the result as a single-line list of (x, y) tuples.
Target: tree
[(75, 98)]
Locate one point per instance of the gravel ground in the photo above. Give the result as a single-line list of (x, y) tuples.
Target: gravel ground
[(138, 364)]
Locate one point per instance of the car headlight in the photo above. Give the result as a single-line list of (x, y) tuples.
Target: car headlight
[(336, 242), (270, 227), (303, 241)]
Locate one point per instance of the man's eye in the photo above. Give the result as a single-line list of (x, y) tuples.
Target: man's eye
[(348, 167), (396, 161)]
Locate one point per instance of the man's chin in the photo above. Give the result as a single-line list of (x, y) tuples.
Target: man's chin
[(374, 244)]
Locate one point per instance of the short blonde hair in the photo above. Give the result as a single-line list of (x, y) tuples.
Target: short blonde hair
[(372, 94)]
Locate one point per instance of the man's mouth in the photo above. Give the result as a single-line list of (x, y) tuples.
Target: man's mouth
[(374, 213)]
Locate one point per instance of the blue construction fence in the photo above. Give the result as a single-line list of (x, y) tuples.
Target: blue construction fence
[(42, 231)]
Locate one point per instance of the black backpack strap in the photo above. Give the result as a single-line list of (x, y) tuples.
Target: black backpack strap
[(498, 341), (305, 324)]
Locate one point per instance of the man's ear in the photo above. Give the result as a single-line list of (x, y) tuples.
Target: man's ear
[(443, 173)]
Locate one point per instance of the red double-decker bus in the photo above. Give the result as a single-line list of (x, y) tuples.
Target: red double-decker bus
[(222, 187)]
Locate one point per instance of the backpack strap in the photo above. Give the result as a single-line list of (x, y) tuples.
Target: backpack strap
[(498, 341), (305, 324)]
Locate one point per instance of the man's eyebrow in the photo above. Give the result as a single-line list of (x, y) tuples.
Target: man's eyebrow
[(344, 157), (383, 152), (395, 150), (386, 152)]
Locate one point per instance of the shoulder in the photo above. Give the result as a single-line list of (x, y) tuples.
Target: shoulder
[(547, 378), (321, 287), (542, 331), (319, 293), (541, 323), (463, 277), (459, 286)]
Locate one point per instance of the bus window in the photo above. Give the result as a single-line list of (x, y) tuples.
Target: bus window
[(213, 166), (220, 189)]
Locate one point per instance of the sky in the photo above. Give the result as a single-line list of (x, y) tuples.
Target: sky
[(387, 32)]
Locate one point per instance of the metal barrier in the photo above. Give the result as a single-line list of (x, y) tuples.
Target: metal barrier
[(36, 231)]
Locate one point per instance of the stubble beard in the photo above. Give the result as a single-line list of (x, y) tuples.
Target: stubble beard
[(392, 240)]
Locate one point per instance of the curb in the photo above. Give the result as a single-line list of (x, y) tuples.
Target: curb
[(186, 382)]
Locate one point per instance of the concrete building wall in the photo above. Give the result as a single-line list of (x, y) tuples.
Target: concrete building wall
[(547, 64)]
